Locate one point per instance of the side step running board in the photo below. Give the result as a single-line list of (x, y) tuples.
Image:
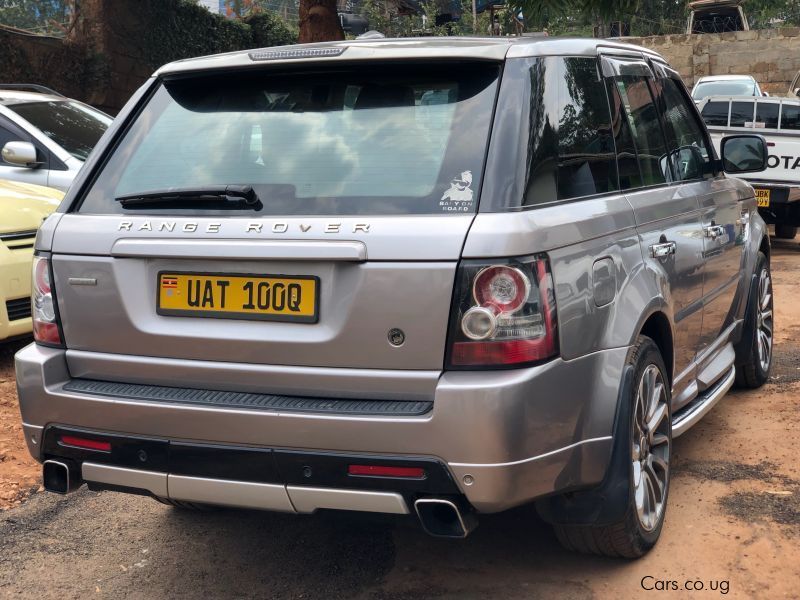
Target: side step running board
[(690, 414)]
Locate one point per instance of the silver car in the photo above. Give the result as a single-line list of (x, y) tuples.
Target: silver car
[(45, 137), (440, 277)]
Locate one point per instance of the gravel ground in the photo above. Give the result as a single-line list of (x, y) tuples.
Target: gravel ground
[(733, 526)]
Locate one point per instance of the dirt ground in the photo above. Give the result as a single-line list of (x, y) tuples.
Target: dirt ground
[(19, 473), (732, 528)]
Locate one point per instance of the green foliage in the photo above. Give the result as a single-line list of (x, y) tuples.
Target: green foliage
[(175, 29)]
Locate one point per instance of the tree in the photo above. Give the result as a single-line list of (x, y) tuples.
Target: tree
[(319, 21)]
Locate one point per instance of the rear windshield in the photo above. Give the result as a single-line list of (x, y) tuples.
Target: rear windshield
[(73, 126), (378, 140)]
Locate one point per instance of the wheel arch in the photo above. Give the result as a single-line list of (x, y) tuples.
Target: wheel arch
[(658, 328)]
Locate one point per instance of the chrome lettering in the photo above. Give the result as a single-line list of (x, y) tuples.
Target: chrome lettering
[(146, 226), (213, 227), (165, 226), (361, 227), (304, 228), (280, 228), (254, 228), (333, 227), (125, 226), (190, 227)]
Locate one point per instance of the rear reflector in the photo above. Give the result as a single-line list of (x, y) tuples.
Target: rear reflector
[(77, 442), (383, 471)]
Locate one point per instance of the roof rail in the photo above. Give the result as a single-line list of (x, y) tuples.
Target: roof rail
[(30, 86)]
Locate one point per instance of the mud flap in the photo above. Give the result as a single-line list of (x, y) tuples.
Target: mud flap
[(743, 346), (607, 503)]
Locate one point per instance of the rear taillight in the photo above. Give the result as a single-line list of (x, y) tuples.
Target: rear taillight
[(46, 328), (504, 314)]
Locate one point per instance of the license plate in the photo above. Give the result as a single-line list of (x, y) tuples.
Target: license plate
[(221, 296), (762, 198)]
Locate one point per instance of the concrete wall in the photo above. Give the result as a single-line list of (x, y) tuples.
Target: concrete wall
[(772, 56)]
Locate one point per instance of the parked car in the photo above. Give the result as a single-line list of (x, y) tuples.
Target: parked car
[(778, 120), (716, 16), (44, 137), (726, 85), (23, 207), (333, 276)]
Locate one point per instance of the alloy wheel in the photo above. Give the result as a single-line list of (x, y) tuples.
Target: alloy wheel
[(651, 448), (764, 323)]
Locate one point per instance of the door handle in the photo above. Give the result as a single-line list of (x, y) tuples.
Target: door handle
[(714, 231), (663, 249)]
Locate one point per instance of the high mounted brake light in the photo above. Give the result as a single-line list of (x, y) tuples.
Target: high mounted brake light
[(504, 314), (298, 53), (44, 313)]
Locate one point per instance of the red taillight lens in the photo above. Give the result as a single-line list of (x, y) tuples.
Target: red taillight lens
[(386, 471), (85, 443), (504, 314), (43, 304)]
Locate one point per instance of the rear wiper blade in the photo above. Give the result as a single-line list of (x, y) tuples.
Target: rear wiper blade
[(213, 196)]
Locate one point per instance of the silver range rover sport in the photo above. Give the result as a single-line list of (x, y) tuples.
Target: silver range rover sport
[(438, 277)]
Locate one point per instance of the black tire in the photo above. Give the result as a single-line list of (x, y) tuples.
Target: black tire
[(751, 372), (785, 232), (181, 505), (628, 537)]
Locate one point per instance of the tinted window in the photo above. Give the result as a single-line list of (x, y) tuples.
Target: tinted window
[(627, 162), (767, 115), (366, 141), (742, 114), (716, 114), (686, 140), (643, 119), (790, 117), (570, 150), (74, 127)]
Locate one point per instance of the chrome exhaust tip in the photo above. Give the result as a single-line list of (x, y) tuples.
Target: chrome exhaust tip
[(443, 518), (60, 477)]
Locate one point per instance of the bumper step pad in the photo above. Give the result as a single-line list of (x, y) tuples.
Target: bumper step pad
[(247, 400)]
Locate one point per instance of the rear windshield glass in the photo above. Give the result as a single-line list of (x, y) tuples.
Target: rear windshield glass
[(378, 140), (73, 126), (767, 115), (742, 114), (790, 116)]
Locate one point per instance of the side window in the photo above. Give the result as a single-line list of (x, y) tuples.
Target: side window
[(767, 115), (570, 146), (627, 163), (686, 140), (742, 113), (790, 117), (645, 126), (715, 114)]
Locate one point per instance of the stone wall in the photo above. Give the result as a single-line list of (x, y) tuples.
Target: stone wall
[(772, 56)]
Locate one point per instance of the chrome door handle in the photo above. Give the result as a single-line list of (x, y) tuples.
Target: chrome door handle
[(663, 250), (714, 231)]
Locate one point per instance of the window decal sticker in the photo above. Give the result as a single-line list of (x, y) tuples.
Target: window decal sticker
[(458, 197)]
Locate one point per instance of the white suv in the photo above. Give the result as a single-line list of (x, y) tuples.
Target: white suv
[(45, 137)]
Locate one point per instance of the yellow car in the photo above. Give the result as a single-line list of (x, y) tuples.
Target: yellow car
[(23, 207)]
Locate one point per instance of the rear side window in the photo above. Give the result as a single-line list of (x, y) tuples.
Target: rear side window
[(715, 114), (645, 125), (742, 114), (767, 115), (372, 140), (790, 117), (552, 139)]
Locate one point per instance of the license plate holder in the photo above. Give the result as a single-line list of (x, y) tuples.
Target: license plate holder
[(762, 197), (286, 298)]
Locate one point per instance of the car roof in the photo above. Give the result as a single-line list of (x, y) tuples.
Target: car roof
[(476, 48), (16, 96), (725, 78)]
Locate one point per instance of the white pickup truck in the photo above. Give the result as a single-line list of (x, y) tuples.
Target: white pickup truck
[(778, 120)]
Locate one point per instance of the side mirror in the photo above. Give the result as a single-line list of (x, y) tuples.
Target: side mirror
[(744, 153), (21, 154)]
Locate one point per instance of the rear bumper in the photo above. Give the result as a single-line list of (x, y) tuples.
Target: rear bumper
[(784, 203), (518, 435)]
